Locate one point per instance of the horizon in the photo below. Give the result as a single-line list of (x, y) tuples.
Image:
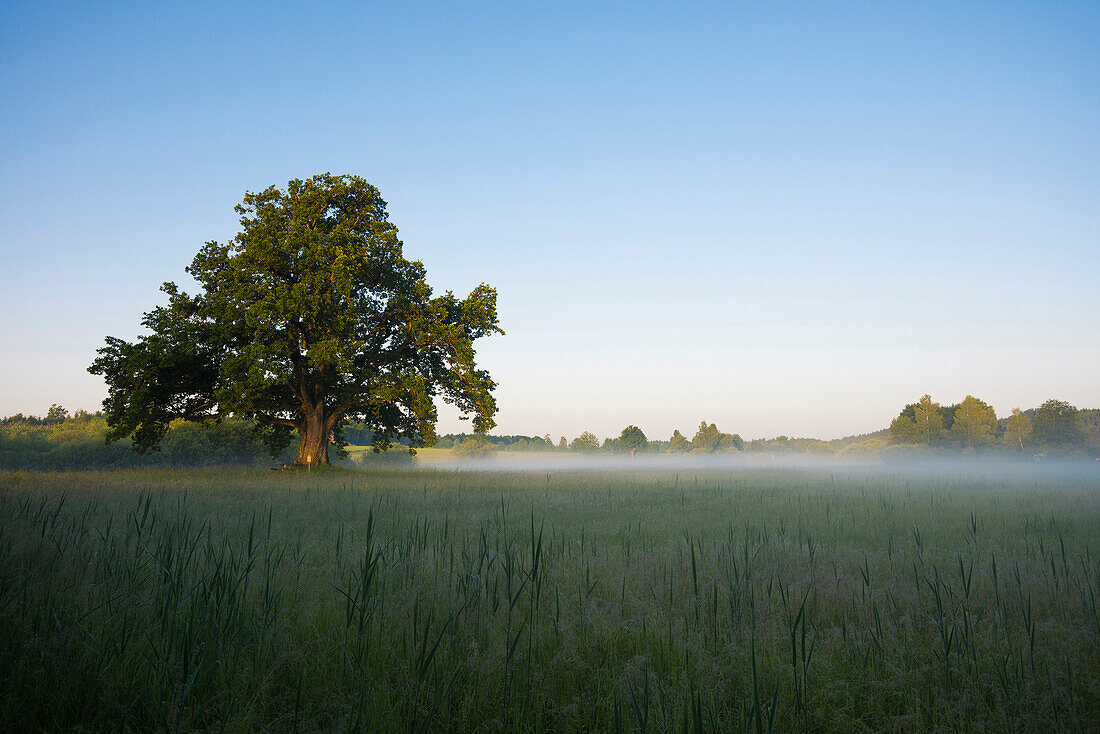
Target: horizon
[(614, 434), (782, 221)]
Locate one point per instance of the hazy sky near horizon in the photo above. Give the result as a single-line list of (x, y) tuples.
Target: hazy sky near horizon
[(786, 218)]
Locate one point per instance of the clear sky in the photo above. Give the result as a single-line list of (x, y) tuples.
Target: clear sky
[(786, 218)]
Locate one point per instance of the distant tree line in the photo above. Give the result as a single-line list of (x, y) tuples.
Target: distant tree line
[(631, 440), (60, 441), (924, 427), (972, 426)]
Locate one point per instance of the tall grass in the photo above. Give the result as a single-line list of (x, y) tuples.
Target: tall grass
[(426, 601)]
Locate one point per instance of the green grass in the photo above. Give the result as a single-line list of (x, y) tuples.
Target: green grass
[(754, 600)]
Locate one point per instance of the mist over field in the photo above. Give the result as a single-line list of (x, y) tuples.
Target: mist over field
[(990, 467)]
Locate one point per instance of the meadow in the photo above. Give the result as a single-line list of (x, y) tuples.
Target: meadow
[(709, 599)]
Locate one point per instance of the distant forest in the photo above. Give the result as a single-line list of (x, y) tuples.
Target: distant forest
[(60, 441), (923, 428)]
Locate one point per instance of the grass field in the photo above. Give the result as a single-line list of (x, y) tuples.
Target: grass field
[(713, 600)]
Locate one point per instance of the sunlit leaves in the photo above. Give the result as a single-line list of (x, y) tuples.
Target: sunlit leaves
[(308, 317)]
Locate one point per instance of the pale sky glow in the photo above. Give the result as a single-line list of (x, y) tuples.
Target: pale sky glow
[(783, 218)]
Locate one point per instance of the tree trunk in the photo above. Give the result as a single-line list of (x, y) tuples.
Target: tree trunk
[(313, 449)]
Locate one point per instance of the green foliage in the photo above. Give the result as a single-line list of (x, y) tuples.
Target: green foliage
[(904, 430), (1056, 426), (499, 443), (475, 447), (1089, 420), (929, 420), (780, 445), (971, 425), (928, 424), (357, 434), (309, 318), (56, 414), (922, 423), (729, 442), (678, 444), (947, 413), (586, 443), (79, 442), (820, 448), (871, 448), (974, 423), (1018, 430), (708, 439), (632, 440)]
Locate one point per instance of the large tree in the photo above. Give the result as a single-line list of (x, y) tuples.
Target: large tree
[(309, 317)]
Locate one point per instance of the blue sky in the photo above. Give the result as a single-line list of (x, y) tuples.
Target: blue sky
[(786, 218)]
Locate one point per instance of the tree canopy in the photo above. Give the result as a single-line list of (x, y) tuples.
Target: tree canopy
[(632, 440), (586, 443), (975, 423), (708, 439), (678, 443), (310, 316), (1056, 425)]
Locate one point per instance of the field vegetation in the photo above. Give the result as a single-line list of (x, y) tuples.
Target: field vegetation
[(397, 600)]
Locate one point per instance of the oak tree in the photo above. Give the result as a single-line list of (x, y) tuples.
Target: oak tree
[(309, 317)]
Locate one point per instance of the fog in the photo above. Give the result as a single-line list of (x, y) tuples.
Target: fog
[(994, 467)]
